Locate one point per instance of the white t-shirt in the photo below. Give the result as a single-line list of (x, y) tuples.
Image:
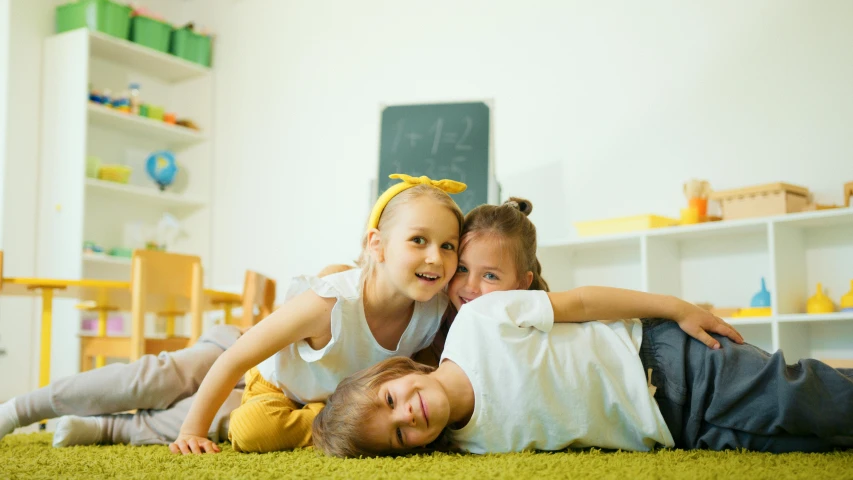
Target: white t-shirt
[(541, 386), (306, 375)]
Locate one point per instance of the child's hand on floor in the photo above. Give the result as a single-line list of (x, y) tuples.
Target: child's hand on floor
[(699, 323), (186, 444)]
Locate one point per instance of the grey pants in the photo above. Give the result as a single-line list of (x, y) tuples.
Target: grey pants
[(743, 397), (160, 388)]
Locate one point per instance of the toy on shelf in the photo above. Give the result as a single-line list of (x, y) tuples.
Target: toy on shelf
[(186, 122), (848, 193), (697, 192), (762, 298), (161, 167), (762, 200), (114, 173), (92, 247), (719, 311), (623, 224), (760, 304), (122, 252), (819, 303), (93, 165), (846, 303)]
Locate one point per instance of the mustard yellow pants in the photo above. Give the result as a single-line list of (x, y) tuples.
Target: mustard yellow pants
[(268, 421)]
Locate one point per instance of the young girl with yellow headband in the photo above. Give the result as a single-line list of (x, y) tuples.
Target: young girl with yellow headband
[(333, 326)]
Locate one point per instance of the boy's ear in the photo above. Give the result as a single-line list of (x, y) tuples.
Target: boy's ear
[(374, 245), (527, 280)]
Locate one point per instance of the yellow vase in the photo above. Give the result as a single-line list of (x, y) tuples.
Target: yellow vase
[(819, 303), (847, 300)]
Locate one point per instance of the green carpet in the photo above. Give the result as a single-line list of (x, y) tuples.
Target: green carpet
[(31, 456)]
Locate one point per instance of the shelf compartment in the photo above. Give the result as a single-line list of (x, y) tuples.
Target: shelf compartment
[(104, 259), (174, 136), (143, 59), (151, 196)]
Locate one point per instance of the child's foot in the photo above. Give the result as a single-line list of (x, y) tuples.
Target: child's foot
[(8, 418), (71, 430)]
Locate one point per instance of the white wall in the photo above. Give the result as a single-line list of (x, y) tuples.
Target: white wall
[(29, 22), (602, 108), (4, 81), (5, 337)]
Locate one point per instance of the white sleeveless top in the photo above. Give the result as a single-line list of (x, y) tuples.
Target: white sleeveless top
[(307, 375)]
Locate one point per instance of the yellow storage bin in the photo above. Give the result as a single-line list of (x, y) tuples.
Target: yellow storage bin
[(623, 224)]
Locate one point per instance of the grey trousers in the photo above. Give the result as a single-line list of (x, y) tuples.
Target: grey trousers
[(743, 397), (160, 388)]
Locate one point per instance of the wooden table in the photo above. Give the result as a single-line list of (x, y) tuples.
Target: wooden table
[(103, 296)]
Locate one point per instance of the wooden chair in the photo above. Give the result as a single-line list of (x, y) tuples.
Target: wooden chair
[(167, 284), (258, 292)]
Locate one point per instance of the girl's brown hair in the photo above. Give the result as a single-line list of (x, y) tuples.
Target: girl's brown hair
[(337, 430), (508, 222)]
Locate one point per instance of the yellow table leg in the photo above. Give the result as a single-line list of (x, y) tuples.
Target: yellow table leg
[(229, 315), (46, 321), (170, 325), (101, 360)]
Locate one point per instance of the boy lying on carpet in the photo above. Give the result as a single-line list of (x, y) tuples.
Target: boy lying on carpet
[(510, 379)]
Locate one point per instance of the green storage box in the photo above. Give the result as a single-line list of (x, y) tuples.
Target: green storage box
[(191, 46), (99, 15), (151, 33)]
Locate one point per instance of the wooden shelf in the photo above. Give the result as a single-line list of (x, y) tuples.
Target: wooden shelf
[(146, 60), (174, 136), (150, 196)]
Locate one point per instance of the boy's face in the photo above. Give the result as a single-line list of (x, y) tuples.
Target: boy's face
[(486, 264), (419, 250), (411, 412)]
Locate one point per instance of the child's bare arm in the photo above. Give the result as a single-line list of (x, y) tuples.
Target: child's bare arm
[(604, 303), (299, 318)]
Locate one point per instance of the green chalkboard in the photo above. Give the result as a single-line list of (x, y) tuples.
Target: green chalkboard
[(443, 140)]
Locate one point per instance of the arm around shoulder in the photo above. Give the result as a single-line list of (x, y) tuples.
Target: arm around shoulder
[(585, 304)]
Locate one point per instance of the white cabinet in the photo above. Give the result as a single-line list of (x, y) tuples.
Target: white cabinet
[(74, 208), (722, 263)]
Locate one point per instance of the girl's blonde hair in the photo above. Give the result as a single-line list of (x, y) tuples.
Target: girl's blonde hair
[(338, 428), (508, 222), (389, 216)]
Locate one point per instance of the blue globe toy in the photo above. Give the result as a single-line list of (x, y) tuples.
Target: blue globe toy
[(161, 167)]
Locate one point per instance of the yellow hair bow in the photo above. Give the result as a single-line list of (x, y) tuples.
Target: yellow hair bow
[(446, 185)]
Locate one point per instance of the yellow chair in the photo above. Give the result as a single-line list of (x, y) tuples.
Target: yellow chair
[(167, 284)]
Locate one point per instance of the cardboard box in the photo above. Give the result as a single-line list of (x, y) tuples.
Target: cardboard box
[(762, 200)]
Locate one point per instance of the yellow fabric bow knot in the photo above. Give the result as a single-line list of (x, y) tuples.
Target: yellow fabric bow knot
[(446, 185)]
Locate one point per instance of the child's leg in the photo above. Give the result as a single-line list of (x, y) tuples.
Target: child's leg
[(736, 396), (268, 421), (152, 382), (146, 427)]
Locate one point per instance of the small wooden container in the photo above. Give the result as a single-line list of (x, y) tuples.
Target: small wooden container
[(762, 200)]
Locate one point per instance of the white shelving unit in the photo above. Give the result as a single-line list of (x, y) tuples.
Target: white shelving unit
[(722, 263), (74, 208), (150, 195), (173, 136)]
